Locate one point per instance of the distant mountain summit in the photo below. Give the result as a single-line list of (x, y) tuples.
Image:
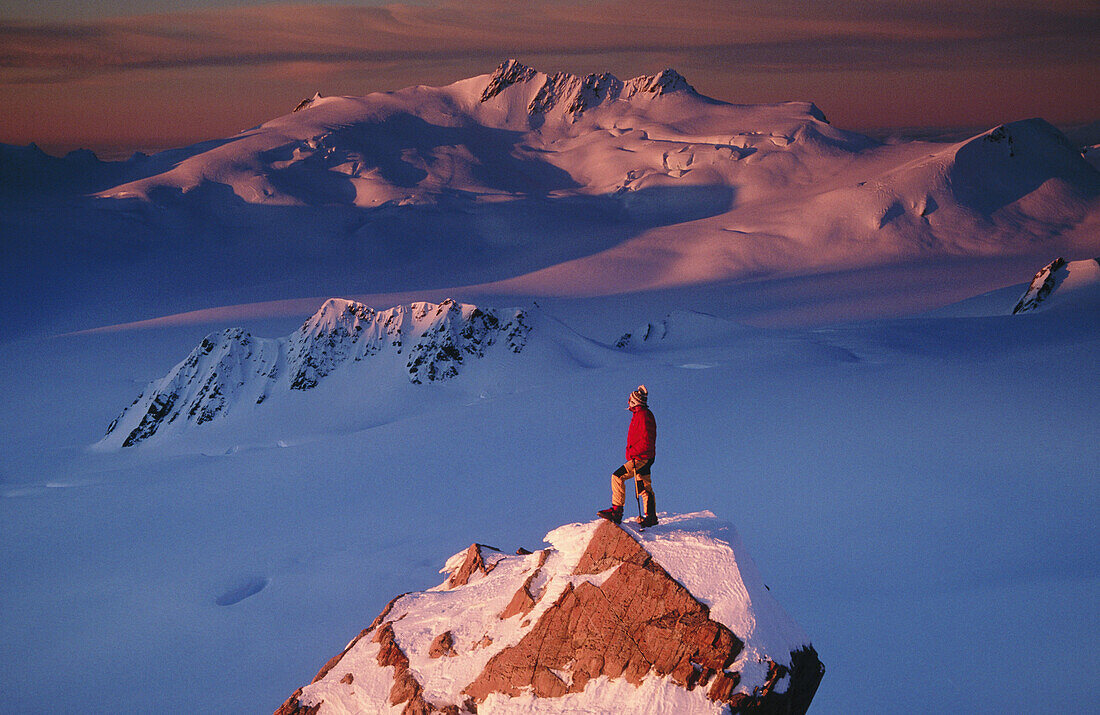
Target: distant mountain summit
[(572, 94), (606, 620)]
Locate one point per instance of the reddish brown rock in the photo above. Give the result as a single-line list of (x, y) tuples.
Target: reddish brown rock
[(640, 620), (722, 687), (348, 679), (417, 706), (473, 563), (406, 688), (336, 658), (293, 706), (442, 645), (523, 601)]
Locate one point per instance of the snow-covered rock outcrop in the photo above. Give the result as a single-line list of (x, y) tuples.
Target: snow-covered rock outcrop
[(607, 620), (417, 343), (679, 329), (1057, 280)]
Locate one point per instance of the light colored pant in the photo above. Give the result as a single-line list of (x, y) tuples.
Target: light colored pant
[(638, 470)]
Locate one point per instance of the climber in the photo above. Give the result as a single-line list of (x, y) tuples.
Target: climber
[(641, 440)]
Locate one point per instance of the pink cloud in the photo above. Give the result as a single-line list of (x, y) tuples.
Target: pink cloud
[(851, 56)]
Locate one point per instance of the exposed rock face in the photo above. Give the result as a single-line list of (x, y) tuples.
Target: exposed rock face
[(1058, 275), (473, 562), (648, 332), (599, 607), (443, 645), (668, 80), (293, 706), (678, 327), (233, 367), (572, 94), (641, 621), (406, 688), (305, 103), (201, 386), (1041, 286), (506, 74), (524, 600)]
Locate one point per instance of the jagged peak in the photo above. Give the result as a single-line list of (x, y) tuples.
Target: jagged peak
[(575, 93), (343, 316), (664, 82), (507, 73), (335, 314), (428, 342), (305, 103)]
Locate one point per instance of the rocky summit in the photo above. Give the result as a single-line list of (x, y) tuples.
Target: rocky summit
[(608, 619)]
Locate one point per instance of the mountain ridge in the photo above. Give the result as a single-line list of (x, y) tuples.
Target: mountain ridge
[(232, 368)]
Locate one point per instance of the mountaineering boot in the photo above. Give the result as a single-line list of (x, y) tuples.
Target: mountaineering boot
[(650, 518), (614, 514)]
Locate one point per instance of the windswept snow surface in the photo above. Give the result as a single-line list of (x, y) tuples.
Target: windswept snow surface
[(897, 486)]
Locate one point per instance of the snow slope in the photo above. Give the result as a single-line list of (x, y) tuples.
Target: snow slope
[(520, 183), (892, 479)]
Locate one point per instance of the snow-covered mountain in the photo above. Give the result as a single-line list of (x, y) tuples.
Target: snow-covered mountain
[(1059, 282), (608, 619), (369, 352), (529, 184), (516, 132)]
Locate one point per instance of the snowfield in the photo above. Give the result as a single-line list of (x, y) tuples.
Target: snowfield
[(824, 324)]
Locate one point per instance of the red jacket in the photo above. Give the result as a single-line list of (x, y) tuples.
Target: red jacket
[(641, 438)]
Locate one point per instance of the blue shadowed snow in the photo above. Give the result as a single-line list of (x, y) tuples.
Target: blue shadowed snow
[(919, 495)]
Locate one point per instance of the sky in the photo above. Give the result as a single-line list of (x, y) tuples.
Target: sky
[(118, 76)]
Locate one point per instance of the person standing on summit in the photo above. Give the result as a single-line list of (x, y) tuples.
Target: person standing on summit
[(641, 442)]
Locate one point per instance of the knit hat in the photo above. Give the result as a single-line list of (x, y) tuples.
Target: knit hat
[(639, 397)]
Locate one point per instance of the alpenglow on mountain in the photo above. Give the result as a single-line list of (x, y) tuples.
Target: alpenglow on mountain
[(537, 183), (606, 620)]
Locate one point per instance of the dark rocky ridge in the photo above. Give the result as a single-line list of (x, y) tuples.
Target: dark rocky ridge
[(233, 367)]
